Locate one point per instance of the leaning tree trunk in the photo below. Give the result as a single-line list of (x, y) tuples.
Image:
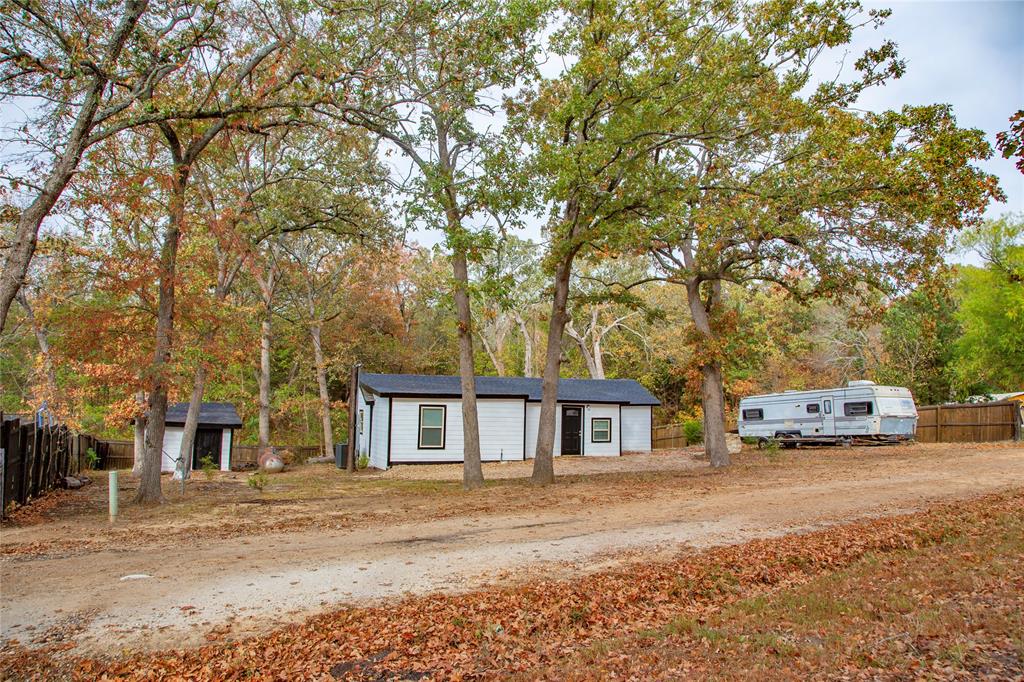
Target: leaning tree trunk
[(472, 472), (188, 434), (325, 398), (712, 391), (543, 463)]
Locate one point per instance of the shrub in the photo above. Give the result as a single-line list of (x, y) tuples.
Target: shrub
[(91, 458), (694, 431), (208, 467), (362, 462), (258, 481)]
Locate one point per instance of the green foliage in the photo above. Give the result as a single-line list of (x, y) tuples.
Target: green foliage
[(918, 336), (362, 462), (694, 431), (91, 458), (990, 353), (208, 467), (258, 480)]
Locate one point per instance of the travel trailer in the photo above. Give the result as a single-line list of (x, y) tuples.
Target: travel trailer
[(860, 411)]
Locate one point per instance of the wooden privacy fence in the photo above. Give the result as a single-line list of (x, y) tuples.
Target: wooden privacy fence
[(668, 436), (969, 422), (248, 454), (36, 459), (115, 454)]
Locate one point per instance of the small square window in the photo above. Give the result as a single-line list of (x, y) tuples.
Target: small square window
[(813, 408), (753, 415), (601, 430)]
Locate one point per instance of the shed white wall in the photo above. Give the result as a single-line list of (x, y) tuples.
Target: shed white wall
[(636, 428), (501, 430), (172, 447), (225, 450)]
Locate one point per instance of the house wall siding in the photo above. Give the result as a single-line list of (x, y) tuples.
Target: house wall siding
[(379, 434), (636, 428), (590, 448), (501, 430)]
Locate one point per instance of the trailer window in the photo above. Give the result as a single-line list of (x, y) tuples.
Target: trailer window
[(753, 415), (813, 408), (828, 407), (859, 409)]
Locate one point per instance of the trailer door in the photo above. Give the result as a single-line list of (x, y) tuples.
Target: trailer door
[(828, 417)]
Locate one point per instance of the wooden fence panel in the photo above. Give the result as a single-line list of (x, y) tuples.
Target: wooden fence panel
[(35, 459), (249, 454), (969, 422), (668, 436)]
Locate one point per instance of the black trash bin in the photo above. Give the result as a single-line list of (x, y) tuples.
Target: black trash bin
[(341, 455)]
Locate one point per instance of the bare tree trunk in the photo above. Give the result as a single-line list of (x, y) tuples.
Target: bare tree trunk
[(499, 365), (140, 435), (26, 235), (527, 346), (472, 471), (588, 357), (188, 434), (264, 382), (325, 398), (543, 463), (598, 357), (712, 392)]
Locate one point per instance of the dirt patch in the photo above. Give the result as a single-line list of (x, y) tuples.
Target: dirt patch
[(429, 536)]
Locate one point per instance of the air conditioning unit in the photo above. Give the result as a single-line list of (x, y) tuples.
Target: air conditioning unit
[(860, 382)]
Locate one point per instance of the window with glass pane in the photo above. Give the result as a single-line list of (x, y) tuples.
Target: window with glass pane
[(432, 418), (601, 430)]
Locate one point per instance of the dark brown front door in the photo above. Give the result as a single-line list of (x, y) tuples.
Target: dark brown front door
[(572, 430), (207, 445)]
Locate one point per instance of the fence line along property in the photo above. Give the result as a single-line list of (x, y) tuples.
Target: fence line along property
[(969, 422), (37, 457)]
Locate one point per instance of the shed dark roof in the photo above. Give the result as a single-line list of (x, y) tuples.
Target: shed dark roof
[(621, 391), (210, 414)]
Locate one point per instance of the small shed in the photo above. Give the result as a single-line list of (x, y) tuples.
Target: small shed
[(214, 435)]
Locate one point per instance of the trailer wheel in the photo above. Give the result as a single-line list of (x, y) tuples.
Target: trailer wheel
[(763, 443)]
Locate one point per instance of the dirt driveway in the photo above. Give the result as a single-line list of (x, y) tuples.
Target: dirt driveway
[(161, 591)]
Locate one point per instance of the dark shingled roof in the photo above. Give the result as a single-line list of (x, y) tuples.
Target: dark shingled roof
[(621, 391), (210, 414)]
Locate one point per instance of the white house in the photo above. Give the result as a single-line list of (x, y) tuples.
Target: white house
[(214, 435), (409, 418)]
